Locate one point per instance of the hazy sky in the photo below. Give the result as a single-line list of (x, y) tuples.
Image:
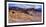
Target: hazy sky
[(24, 5)]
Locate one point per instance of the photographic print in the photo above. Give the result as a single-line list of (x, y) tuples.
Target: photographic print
[(24, 13)]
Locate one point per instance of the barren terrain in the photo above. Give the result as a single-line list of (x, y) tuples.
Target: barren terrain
[(18, 16)]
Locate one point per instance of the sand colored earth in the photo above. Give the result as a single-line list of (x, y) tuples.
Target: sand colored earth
[(18, 16)]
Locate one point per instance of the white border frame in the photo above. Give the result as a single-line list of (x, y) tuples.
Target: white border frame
[(26, 22)]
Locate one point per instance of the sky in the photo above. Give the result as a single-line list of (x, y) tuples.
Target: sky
[(24, 5)]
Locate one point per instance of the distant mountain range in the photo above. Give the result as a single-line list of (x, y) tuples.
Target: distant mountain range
[(29, 9)]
